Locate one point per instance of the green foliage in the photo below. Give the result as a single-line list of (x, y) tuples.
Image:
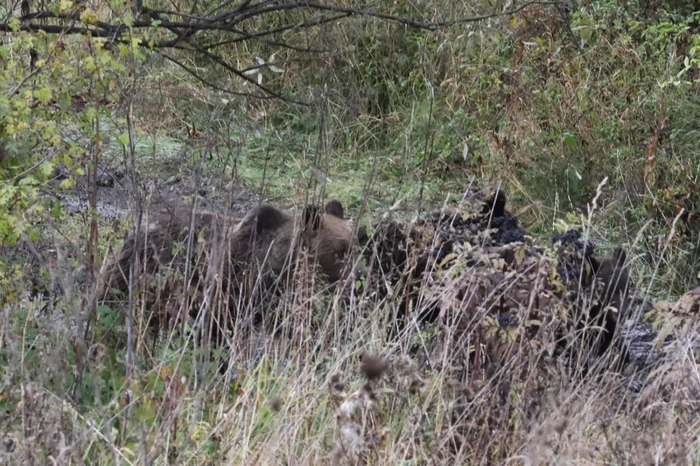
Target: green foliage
[(39, 112)]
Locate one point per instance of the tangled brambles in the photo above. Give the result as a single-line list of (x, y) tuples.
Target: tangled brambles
[(404, 255)]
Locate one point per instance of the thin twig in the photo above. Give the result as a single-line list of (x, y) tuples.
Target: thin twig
[(209, 83), (16, 87), (226, 22)]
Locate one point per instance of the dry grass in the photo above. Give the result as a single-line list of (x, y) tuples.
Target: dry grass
[(337, 385)]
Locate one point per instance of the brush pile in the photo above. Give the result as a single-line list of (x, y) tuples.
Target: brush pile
[(475, 272)]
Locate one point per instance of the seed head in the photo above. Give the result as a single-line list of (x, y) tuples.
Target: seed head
[(373, 367)]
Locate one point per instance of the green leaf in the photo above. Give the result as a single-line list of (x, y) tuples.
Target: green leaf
[(33, 235), (28, 180), (67, 183), (123, 139), (89, 16), (210, 446), (46, 169), (140, 55), (56, 211), (103, 310), (569, 139), (146, 412)]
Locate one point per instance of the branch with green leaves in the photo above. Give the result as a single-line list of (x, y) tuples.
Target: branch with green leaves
[(204, 32)]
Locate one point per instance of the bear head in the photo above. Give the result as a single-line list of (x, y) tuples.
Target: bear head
[(273, 237)]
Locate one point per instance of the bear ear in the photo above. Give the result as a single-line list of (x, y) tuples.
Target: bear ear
[(335, 208), (496, 204), (311, 217), (266, 218)]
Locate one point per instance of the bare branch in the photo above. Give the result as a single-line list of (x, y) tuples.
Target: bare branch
[(17, 86), (257, 36), (226, 19), (225, 22), (220, 61), (195, 75)]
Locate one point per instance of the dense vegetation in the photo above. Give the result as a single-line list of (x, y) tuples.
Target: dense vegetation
[(586, 112)]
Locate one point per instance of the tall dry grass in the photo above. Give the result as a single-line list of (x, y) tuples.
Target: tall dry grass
[(336, 384)]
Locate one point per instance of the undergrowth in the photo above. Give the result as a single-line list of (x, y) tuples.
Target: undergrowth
[(338, 385), (547, 103)]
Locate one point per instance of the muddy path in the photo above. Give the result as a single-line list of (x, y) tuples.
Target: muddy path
[(117, 196)]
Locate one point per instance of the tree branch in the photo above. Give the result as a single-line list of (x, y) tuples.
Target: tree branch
[(224, 23), (303, 25), (220, 61), (195, 75), (185, 26)]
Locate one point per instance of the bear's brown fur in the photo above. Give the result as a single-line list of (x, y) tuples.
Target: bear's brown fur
[(612, 281), (240, 257)]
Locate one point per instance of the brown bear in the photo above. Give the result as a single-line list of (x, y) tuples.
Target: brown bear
[(233, 264), (612, 281), (613, 277), (601, 305)]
